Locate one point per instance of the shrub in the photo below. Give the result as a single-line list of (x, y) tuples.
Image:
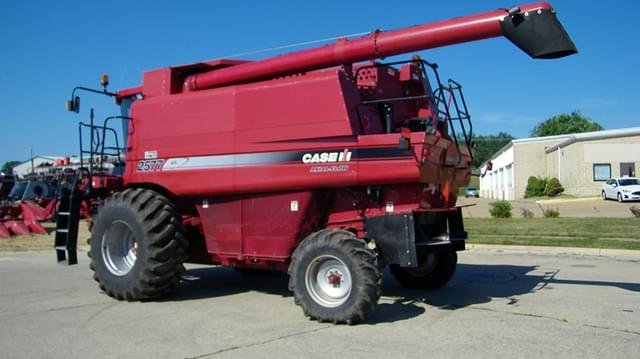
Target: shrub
[(553, 188), (500, 209), (635, 210), (526, 213), (551, 213), (535, 187)]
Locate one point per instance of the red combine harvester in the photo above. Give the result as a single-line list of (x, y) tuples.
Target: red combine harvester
[(323, 162)]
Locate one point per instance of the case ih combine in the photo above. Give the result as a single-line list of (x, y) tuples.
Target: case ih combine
[(323, 162)]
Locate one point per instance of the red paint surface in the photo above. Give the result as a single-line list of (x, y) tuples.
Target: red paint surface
[(251, 230), (297, 103), (17, 227)]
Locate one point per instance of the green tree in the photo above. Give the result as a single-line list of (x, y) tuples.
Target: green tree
[(487, 145), (7, 167), (564, 123)]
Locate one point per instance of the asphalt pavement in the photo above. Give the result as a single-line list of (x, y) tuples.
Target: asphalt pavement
[(510, 303)]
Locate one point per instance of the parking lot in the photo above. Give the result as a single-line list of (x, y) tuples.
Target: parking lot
[(500, 303)]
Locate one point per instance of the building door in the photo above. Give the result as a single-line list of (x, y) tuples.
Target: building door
[(628, 169)]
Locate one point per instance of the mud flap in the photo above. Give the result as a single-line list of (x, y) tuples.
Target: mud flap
[(398, 237)]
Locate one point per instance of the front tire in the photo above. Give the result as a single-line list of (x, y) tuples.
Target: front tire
[(334, 277), (619, 197), (138, 245), (434, 270), (604, 195)]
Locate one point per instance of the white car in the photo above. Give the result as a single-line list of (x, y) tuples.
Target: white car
[(622, 189)]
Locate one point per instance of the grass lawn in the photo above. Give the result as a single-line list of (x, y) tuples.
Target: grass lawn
[(621, 233)]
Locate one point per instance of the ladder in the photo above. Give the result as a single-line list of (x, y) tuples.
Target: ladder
[(67, 223)]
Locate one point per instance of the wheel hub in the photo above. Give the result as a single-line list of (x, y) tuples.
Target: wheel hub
[(119, 248), (334, 278), (328, 281)]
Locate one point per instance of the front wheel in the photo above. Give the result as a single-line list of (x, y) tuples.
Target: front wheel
[(138, 245), (334, 277), (604, 195), (619, 197), (434, 270)]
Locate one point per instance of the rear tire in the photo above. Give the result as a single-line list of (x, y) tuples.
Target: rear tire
[(434, 270), (138, 245), (334, 277)]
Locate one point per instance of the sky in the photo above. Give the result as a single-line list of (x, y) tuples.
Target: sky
[(49, 47)]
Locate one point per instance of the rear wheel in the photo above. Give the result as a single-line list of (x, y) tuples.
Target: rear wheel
[(138, 245), (434, 270), (334, 277)]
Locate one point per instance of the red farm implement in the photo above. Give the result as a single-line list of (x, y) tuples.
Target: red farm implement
[(324, 163)]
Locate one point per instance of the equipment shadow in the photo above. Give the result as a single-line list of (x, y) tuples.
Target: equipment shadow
[(471, 284), (211, 282), (474, 284)]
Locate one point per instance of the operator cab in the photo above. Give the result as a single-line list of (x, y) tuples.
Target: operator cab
[(404, 99)]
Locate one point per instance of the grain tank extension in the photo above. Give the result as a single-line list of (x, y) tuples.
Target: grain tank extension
[(325, 163)]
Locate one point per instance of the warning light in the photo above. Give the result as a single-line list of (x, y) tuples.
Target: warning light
[(104, 80)]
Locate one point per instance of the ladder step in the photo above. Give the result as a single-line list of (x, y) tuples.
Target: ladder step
[(62, 230), (63, 213)]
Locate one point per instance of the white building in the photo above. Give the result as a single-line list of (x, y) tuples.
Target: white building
[(43, 165), (25, 167), (580, 161)]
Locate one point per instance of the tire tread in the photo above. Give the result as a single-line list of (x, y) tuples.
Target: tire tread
[(164, 238)]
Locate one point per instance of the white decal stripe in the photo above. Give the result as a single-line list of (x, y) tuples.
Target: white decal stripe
[(221, 161)]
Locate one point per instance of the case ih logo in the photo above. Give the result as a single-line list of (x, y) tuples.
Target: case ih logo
[(326, 157)]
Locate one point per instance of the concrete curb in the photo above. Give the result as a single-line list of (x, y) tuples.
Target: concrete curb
[(567, 200), (615, 253)]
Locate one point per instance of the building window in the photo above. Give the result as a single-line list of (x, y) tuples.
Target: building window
[(601, 171), (628, 169)]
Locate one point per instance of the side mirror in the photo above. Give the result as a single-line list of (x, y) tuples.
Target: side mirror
[(73, 105)]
